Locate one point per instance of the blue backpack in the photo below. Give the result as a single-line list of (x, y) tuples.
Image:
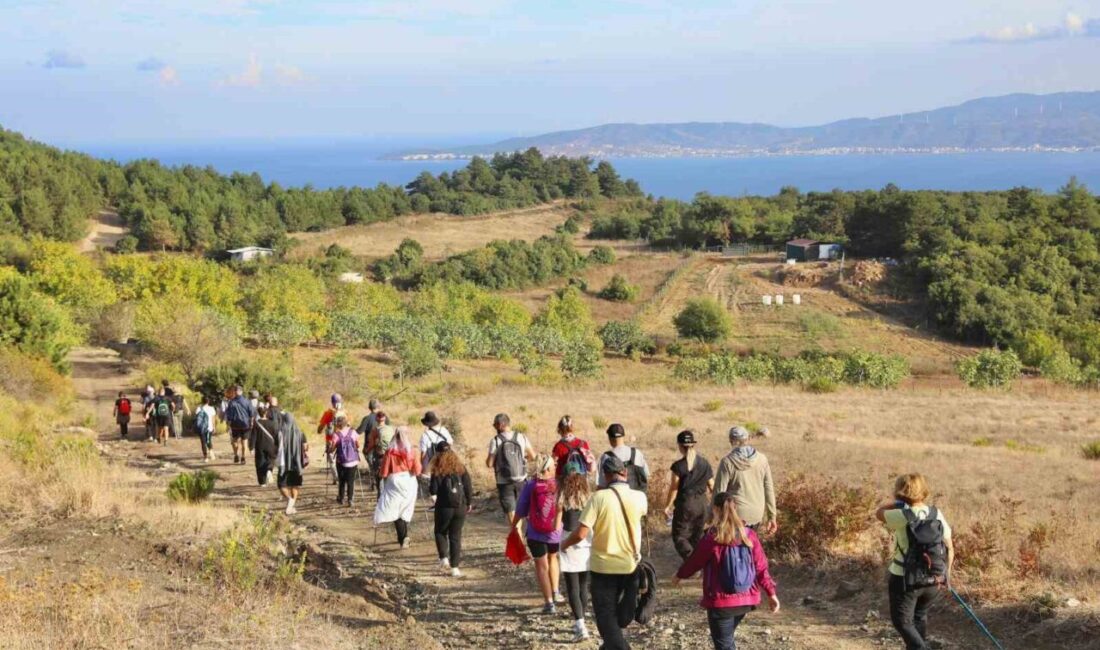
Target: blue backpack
[(202, 421), (737, 571)]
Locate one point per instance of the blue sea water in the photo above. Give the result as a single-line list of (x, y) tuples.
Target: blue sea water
[(346, 164)]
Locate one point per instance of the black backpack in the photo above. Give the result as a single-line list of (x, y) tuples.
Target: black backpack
[(925, 563), (452, 485), (635, 476)]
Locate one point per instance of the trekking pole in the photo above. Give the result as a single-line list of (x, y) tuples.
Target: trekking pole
[(359, 482), (978, 621)]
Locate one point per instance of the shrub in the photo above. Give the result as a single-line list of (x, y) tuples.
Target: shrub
[(875, 370), (619, 290), (416, 359), (567, 313), (990, 368), (600, 423), (247, 557), (703, 319), (711, 406), (33, 323), (817, 514), (532, 362), (192, 487), (581, 358), (674, 421), (982, 442), (126, 244), (31, 379), (1091, 450), (265, 374), (626, 337), (821, 385), (601, 255)]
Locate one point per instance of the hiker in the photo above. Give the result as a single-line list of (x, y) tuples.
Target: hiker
[(367, 424), (204, 428), (291, 456), (180, 409), (538, 504), (688, 495), (265, 405), (745, 474), (326, 426), (573, 493), (160, 412), (397, 501), (735, 572), (147, 398), (571, 449), (241, 417), (452, 495), (614, 517), (122, 414), (345, 450), (508, 455), (923, 557), (637, 471), (379, 441), (263, 445), (434, 433)]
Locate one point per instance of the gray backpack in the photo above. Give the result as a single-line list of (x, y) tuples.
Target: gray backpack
[(510, 462)]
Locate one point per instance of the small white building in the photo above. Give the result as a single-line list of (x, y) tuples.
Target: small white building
[(249, 253), (829, 251), (351, 277)]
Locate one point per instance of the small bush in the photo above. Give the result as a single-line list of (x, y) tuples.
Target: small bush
[(711, 406), (416, 359), (619, 290), (703, 319), (582, 359), (521, 427), (247, 557), (126, 244), (674, 421), (600, 423), (818, 514), (193, 487), (821, 385), (982, 442), (626, 337), (1091, 450), (1023, 446), (602, 255), (990, 369)]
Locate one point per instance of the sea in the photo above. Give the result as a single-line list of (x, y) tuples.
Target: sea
[(326, 165)]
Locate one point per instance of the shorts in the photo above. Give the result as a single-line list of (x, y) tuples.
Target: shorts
[(238, 434), (539, 549), (163, 421), (508, 493), (290, 479)]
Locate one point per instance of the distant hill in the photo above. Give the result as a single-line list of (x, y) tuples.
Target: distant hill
[(1016, 122)]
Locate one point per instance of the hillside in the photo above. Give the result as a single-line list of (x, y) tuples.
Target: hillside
[(1019, 121)]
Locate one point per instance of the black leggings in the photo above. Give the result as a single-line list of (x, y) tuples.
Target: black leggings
[(909, 612), (402, 528), (347, 482), (448, 533), (576, 589), (688, 521)]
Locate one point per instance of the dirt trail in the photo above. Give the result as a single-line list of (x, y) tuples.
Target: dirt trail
[(107, 229), (493, 604)]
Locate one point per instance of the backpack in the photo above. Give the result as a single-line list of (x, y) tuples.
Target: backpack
[(510, 461), (574, 455), (237, 415), (925, 563), (385, 437), (124, 406), (452, 485), (543, 511), (736, 569), (202, 421), (345, 447), (162, 408), (428, 455), (635, 477)]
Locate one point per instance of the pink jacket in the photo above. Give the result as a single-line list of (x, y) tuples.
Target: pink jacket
[(708, 557)]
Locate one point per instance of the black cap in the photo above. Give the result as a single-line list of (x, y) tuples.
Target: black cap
[(685, 438), (442, 446), (616, 431), (612, 464), (430, 419)]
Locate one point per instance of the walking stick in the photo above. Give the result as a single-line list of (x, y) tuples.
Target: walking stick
[(981, 626), (359, 482)]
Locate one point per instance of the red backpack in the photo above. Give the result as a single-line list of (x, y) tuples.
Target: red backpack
[(543, 513), (124, 406)]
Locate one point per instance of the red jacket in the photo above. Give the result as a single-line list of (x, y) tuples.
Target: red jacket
[(708, 557)]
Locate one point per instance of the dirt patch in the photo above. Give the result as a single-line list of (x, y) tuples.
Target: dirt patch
[(106, 229)]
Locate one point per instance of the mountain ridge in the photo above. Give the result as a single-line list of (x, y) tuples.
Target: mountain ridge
[(1019, 121)]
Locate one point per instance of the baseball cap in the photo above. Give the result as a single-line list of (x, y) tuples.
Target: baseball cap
[(739, 433), (612, 464), (685, 438), (616, 431)]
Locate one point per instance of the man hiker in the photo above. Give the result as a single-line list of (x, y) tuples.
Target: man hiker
[(688, 495), (378, 442), (745, 474), (370, 420), (150, 425), (434, 433), (122, 414), (508, 455), (637, 471), (160, 412), (614, 517), (241, 417), (291, 453), (571, 449), (204, 428)]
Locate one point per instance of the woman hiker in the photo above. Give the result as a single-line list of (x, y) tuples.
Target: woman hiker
[(345, 451), (688, 495), (538, 504), (572, 495), (727, 607), (399, 469), (291, 458), (452, 495)]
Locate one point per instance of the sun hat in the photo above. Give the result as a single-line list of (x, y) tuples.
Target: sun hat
[(430, 419)]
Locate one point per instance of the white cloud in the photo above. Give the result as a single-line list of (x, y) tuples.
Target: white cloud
[(62, 59), (1075, 25), (1072, 25), (168, 76), (289, 75), (250, 77)]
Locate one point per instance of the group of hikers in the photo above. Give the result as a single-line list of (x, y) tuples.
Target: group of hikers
[(581, 517)]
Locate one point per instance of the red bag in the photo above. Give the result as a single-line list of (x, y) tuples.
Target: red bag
[(514, 549)]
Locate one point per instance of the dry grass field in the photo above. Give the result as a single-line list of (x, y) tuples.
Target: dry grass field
[(441, 235)]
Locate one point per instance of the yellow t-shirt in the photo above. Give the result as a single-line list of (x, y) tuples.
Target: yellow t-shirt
[(896, 524), (612, 551)]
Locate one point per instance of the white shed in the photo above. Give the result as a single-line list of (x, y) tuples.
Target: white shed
[(829, 251), (249, 253), (351, 277)]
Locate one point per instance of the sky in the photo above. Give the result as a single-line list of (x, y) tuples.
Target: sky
[(78, 72)]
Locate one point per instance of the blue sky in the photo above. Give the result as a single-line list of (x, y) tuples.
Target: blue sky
[(91, 71)]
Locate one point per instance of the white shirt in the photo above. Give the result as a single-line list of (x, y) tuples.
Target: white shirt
[(520, 439), (623, 452), (210, 416), (428, 440)]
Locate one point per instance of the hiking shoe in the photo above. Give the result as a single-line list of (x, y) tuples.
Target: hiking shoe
[(444, 563), (291, 510), (455, 573), (558, 598), (549, 608), (236, 459), (406, 543), (580, 632)]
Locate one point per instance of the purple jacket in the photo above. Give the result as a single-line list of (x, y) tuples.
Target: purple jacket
[(708, 558)]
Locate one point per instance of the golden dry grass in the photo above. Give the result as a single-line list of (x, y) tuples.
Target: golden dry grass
[(441, 235)]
